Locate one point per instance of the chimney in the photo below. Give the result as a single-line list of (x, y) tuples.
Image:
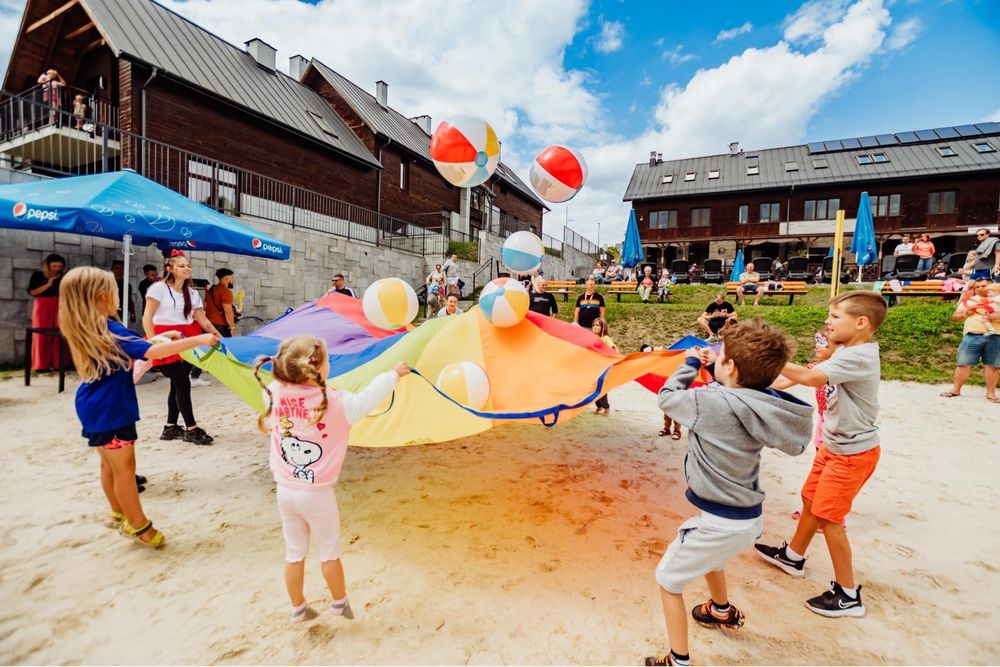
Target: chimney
[(297, 67), (423, 122), (652, 158), (262, 52), (659, 158), (734, 148), (382, 94)]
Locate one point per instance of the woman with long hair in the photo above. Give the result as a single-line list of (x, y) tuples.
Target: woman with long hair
[(44, 286), (173, 305)]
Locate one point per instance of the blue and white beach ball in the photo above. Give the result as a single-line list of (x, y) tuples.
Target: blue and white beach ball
[(465, 382), (522, 252), (504, 302)]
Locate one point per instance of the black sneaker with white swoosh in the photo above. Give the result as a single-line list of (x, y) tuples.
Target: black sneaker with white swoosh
[(836, 603), (777, 557)]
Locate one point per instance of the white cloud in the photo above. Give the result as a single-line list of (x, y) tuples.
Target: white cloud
[(734, 32), (903, 34), (645, 80), (675, 57), (811, 20), (611, 39), (995, 117)]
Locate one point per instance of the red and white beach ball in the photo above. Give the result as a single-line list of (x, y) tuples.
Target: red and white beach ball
[(558, 173), (465, 151)]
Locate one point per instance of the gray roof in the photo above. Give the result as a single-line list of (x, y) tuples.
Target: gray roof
[(390, 123), (902, 160), (148, 32)]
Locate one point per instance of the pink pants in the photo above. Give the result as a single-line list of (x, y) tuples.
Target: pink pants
[(305, 512)]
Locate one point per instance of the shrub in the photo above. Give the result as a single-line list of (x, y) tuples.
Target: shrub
[(467, 250)]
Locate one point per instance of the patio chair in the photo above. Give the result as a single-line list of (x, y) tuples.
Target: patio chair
[(713, 271), (906, 268), (798, 269), (679, 270), (762, 265)]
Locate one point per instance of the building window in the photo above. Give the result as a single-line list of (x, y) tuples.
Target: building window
[(864, 159), (941, 202), (663, 220), (713, 173), (946, 151), (404, 175), (879, 158), (669, 178), (770, 212), (821, 209), (984, 147), (820, 163), (213, 186), (791, 166), (690, 175), (701, 217), (744, 214), (753, 169), (883, 205)]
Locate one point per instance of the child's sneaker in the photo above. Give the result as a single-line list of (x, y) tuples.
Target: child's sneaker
[(835, 603), (342, 609), (778, 557), (303, 613), (708, 615)]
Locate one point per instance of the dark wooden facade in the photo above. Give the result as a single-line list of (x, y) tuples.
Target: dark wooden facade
[(977, 204)]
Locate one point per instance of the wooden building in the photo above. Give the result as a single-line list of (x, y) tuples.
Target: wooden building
[(783, 201)]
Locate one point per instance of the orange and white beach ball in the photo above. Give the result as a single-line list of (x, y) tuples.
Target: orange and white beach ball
[(465, 382), (390, 303), (466, 151), (504, 302), (558, 173)]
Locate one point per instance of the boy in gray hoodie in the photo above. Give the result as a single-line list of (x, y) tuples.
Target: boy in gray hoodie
[(730, 421)]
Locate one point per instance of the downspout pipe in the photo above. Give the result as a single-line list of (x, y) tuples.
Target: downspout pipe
[(378, 176), (156, 70)]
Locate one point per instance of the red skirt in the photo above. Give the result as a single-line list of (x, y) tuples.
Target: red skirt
[(45, 349), (187, 330)]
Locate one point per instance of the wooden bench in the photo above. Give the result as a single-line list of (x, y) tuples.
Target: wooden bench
[(620, 287), (789, 288), (563, 287), (920, 288)]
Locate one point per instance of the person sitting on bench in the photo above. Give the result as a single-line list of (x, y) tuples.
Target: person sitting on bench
[(716, 315), (749, 284)]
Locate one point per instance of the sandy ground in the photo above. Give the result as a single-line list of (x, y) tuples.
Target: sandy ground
[(521, 545)]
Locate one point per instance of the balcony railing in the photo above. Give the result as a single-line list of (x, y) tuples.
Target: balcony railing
[(56, 105)]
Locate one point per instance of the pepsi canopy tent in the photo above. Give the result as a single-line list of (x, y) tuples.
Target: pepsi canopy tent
[(125, 206)]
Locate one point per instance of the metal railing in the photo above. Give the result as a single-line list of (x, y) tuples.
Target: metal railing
[(54, 104), (580, 242), (227, 188)]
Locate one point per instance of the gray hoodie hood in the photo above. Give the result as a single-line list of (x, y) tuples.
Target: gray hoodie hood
[(729, 427)]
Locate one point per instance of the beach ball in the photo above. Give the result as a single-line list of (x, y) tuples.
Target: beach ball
[(390, 303), (522, 252), (558, 173), (504, 302), (465, 382), (465, 150)]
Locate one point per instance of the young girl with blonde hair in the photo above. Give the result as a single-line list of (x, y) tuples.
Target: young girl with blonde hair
[(309, 425), (103, 351), (600, 329)]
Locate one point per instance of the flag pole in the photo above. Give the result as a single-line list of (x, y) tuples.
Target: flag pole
[(838, 243)]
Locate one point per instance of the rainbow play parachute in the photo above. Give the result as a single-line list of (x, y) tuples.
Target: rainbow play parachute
[(539, 370)]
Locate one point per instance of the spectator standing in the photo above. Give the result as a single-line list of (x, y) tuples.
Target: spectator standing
[(52, 85), (542, 302), (977, 341), (219, 308), (450, 268), (589, 305), (118, 269), (79, 111), (340, 286), (924, 249), (905, 246), (435, 275), (435, 297), (749, 284), (44, 286), (152, 275), (987, 256)]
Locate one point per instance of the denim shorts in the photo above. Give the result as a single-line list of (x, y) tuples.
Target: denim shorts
[(979, 346)]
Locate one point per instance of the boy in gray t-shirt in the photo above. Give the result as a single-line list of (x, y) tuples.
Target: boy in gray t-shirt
[(849, 450)]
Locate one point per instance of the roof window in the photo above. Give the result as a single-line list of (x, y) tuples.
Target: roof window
[(820, 163), (864, 159), (713, 173), (690, 176), (946, 151), (753, 169), (668, 178), (984, 147), (879, 158), (322, 124), (792, 166)]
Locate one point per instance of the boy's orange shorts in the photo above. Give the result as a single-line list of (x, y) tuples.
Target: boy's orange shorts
[(835, 481)]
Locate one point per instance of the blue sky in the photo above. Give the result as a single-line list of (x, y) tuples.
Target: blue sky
[(616, 79)]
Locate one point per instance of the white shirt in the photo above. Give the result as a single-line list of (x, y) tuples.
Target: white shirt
[(903, 249), (444, 312), (171, 309)]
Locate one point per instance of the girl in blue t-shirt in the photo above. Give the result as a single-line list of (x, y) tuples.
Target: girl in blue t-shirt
[(103, 351)]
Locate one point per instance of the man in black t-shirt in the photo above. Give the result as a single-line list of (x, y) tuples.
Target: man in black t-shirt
[(589, 305), (716, 315), (541, 301)]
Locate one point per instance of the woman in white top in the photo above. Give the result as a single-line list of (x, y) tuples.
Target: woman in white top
[(173, 305)]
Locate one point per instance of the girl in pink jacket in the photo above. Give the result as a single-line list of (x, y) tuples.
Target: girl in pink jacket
[(309, 425)]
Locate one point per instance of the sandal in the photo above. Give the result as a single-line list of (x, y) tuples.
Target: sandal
[(993, 399), (136, 534), (659, 661), (948, 394), (665, 432), (114, 520), (676, 435)]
